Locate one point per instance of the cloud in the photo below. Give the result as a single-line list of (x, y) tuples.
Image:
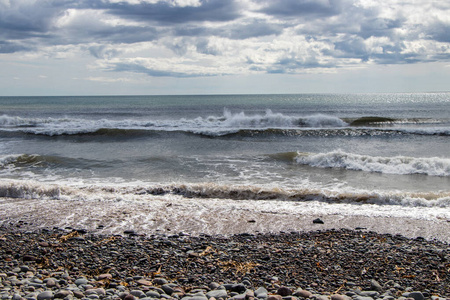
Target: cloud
[(103, 51), (11, 47), (193, 38), (301, 8), (165, 13)]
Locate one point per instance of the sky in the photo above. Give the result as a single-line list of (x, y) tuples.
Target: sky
[(148, 47)]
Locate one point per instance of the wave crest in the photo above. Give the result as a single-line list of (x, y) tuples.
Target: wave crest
[(34, 190), (401, 165)]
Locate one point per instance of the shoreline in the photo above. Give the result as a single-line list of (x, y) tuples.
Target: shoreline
[(337, 264), (200, 216)]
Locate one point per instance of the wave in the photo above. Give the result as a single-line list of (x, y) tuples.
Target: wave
[(381, 121), (401, 165), (229, 124), (33, 190), (213, 124)]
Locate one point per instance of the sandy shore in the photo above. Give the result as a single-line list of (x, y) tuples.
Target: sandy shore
[(196, 216)]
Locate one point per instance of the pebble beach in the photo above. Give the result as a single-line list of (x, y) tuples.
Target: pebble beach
[(338, 264)]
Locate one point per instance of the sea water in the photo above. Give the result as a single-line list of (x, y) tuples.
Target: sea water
[(376, 155)]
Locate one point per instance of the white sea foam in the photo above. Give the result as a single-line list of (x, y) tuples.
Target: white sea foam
[(390, 165), (214, 209), (226, 123), (67, 190), (213, 124)]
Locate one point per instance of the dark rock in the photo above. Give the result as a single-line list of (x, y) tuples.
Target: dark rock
[(29, 258), (415, 295), (284, 291), (318, 221), (375, 286)]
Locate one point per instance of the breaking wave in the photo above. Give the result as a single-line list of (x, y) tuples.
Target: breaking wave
[(401, 165), (228, 124), (34, 190)]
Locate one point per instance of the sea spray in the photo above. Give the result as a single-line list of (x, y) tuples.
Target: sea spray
[(401, 165)]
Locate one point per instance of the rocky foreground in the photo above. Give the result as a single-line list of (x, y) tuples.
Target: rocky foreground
[(335, 264)]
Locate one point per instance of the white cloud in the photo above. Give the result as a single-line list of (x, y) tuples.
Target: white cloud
[(195, 38)]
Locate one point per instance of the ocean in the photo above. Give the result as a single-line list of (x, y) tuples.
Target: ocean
[(227, 163)]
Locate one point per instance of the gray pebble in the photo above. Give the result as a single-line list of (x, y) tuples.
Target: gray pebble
[(81, 281), (153, 294), (137, 293), (62, 294), (217, 294), (47, 295), (261, 293)]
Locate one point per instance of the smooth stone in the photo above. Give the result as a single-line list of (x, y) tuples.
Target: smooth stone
[(249, 294), (167, 289), (93, 296), (238, 288), (78, 294), (24, 269), (195, 298), (50, 283), (104, 276), (375, 285), (29, 258), (160, 281), (138, 293), (274, 297), (153, 294), (217, 294), (62, 294), (16, 297), (358, 297), (414, 295), (144, 282), (302, 293), (372, 294), (47, 295), (239, 297), (31, 295), (36, 285), (129, 297), (228, 286), (339, 297), (97, 291), (284, 291), (213, 285), (81, 281), (318, 221), (261, 293)]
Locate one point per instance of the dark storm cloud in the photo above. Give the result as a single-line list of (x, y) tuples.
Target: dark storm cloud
[(165, 13), (439, 31), (301, 8)]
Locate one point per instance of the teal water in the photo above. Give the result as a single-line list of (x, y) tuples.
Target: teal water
[(388, 149)]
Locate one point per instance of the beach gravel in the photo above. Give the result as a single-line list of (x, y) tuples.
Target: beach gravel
[(334, 264)]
